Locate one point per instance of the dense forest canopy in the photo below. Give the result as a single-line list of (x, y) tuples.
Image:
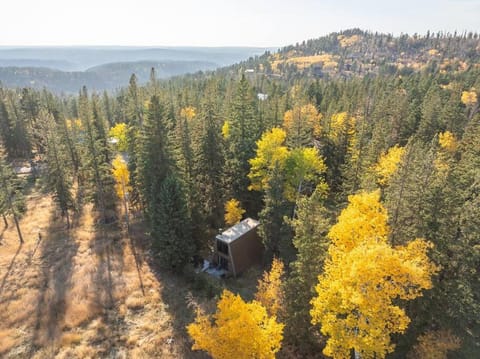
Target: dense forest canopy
[(358, 152)]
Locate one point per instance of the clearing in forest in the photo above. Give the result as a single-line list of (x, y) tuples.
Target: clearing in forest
[(89, 292)]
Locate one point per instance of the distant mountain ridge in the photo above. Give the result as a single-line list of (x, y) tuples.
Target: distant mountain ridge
[(80, 58), (67, 69), (104, 77)]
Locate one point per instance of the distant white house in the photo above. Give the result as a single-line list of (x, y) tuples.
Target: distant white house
[(262, 96)]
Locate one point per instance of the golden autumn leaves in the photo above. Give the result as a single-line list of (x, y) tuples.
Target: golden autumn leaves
[(357, 295), (363, 277), (243, 330)]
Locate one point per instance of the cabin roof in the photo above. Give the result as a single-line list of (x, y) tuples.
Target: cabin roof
[(235, 232)]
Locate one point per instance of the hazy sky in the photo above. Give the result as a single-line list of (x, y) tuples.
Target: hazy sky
[(221, 22)]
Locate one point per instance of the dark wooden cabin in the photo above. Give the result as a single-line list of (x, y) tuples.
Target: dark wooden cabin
[(239, 247)]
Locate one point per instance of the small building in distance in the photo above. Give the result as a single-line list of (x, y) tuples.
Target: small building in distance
[(239, 247)]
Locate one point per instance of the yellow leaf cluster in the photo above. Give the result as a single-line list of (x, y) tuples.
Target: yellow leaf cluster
[(233, 212), (302, 165), (341, 125), (119, 132), (226, 130), (271, 152), (188, 112), (298, 165), (303, 62), (469, 98), (346, 41), (364, 277), (269, 289), (388, 163), (237, 330), (364, 218), (435, 345), (303, 119), (122, 177), (74, 123), (447, 141)]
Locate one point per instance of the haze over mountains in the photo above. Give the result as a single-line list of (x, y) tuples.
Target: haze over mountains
[(67, 69)]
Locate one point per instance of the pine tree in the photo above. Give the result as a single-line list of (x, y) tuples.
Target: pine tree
[(154, 160), (97, 164), (310, 226), (244, 131), (209, 164), (171, 228), (12, 201), (6, 129), (275, 233), (59, 180)]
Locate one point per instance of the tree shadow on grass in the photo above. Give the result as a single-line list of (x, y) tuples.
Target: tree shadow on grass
[(57, 250), (108, 248), (180, 296), (9, 270)]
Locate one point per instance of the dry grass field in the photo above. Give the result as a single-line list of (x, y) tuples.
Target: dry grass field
[(90, 292)]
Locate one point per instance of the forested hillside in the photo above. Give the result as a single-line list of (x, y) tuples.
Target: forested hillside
[(111, 76), (359, 154)]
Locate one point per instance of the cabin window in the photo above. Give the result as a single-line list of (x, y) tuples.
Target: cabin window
[(222, 247), (223, 263)]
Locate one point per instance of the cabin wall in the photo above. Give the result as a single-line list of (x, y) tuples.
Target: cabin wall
[(246, 251)]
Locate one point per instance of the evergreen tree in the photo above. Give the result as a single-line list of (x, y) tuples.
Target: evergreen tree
[(311, 227), (12, 201), (275, 233), (244, 131), (58, 177), (209, 165), (154, 158), (171, 228), (96, 157)]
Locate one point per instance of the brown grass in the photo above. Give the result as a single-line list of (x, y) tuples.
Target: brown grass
[(7, 340), (69, 339), (85, 293), (135, 301)]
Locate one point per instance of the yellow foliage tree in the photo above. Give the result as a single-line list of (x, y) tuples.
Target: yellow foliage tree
[(74, 123), (469, 98), (364, 277), (119, 132), (226, 130), (271, 152), (233, 212), (388, 164), (435, 345), (122, 182), (448, 145), (188, 112), (302, 165), (447, 141), (341, 126), (302, 124), (237, 330), (269, 289)]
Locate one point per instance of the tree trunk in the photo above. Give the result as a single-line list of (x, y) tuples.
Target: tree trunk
[(68, 219), (5, 221), (18, 228), (125, 206)]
